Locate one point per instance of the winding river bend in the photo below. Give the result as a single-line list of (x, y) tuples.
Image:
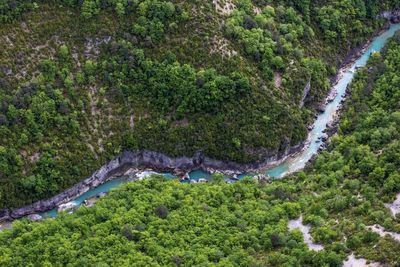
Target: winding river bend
[(314, 143), (291, 164), (338, 90)]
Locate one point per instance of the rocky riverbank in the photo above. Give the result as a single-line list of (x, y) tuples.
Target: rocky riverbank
[(160, 162), (393, 16), (149, 160), (332, 127), (139, 160)]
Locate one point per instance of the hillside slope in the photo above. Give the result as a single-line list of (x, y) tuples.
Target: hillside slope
[(156, 222), (82, 81)]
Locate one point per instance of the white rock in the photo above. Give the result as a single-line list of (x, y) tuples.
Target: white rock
[(353, 262), (67, 206), (395, 206), (305, 229), (381, 231), (34, 217), (145, 174)]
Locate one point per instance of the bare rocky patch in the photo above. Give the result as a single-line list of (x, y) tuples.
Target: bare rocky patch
[(277, 79), (305, 229), (257, 10), (376, 228), (132, 121), (395, 206), (352, 261), (101, 120), (220, 45), (92, 46), (224, 7), (35, 157)]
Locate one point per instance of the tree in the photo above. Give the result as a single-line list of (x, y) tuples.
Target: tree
[(127, 232), (89, 8), (162, 211), (120, 9)]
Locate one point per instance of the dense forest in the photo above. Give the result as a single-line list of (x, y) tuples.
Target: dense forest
[(224, 77), (158, 222)]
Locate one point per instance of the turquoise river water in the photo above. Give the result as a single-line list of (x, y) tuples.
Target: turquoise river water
[(291, 164)]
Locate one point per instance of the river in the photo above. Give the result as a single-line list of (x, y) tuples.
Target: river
[(298, 162), (292, 164)]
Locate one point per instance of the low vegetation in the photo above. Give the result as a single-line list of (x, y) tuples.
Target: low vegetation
[(76, 92), (159, 222)]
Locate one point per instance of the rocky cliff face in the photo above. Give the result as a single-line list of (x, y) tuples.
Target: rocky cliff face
[(144, 159), (160, 162), (306, 90), (393, 16)]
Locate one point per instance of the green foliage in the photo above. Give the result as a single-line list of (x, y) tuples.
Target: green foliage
[(89, 8), (276, 40), (159, 222), (206, 225), (362, 160), (163, 82), (12, 9), (172, 86), (344, 19), (162, 211)]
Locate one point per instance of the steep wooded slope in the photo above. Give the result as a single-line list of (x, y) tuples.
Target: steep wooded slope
[(82, 81)]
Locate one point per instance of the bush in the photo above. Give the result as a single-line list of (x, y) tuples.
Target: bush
[(162, 212)]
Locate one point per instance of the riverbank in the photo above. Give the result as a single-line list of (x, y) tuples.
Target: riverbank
[(140, 160), (123, 165), (392, 17)]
